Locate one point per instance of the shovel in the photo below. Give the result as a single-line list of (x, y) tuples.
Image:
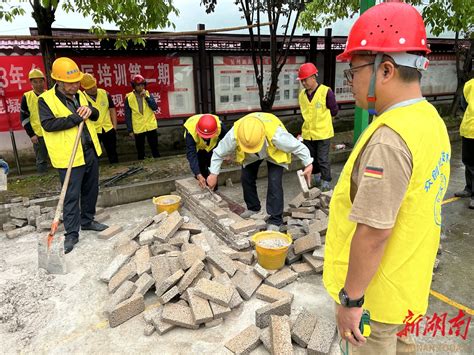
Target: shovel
[(50, 249)]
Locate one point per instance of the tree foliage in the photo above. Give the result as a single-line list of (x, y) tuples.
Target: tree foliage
[(9, 13)]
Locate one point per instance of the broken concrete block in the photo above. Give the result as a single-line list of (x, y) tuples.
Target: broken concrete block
[(142, 260), (126, 310), (302, 269), (316, 264), (162, 248), (296, 233), (191, 274), (260, 271), (32, 213), (124, 291), (169, 282), (144, 283), (303, 328), (20, 232), (302, 181), (214, 323), (127, 249), (311, 203), (272, 294), (297, 200), (246, 284), (179, 315), (318, 253), (214, 291), (291, 257), (301, 215), (219, 311), (312, 193), (225, 280), (246, 257), (307, 243), (147, 237), (221, 261), (322, 337), (19, 222), (160, 217), (281, 335), (318, 226), (189, 257), (19, 212), (193, 228), (125, 273), (160, 326), (169, 227), (266, 339), (169, 295), (8, 227), (110, 232), (173, 262), (130, 234), (217, 213), (282, 278), (148, 330), (114, 267), (180, 238), (201, 241), (200, 308), (245, 341), (245, 225), (279, 308), (160, 269)]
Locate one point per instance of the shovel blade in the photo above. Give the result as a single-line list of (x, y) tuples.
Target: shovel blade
[(52, 259)]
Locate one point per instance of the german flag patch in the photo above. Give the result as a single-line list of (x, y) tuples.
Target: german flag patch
[(374, 172)]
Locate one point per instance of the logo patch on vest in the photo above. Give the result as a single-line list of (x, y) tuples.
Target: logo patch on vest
[(374, 172)]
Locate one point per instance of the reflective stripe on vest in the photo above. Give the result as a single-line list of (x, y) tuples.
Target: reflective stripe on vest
[(201, 144), (317, 118), (61, 143), (141, 122), (402, 281), (467, 124), (271, 123), (32, 102), (101, 103)]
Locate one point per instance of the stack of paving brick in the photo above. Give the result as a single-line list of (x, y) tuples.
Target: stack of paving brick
[(228, 226), (26, 218)]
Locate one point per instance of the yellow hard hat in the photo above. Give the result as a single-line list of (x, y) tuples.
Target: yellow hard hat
[(65, 69), (88, 81), (35, 74), (251, 134)]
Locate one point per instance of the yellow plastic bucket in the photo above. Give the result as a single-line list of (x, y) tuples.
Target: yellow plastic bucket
[(168, 203), (271, 258)]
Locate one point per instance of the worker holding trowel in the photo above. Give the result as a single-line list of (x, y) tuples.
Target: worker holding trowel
[(385, 212), (202, 133), (61, 110), (256, 137)]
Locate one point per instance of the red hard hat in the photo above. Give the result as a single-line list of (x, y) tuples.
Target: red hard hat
[(207, 126), (387, 27), (306, 70), (138, 79)]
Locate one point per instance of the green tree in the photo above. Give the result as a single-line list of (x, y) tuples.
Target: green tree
[(439, 15), (132, 17), (279, 14)]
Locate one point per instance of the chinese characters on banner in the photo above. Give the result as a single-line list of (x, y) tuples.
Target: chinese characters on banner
[(13, 83), (170, 81)]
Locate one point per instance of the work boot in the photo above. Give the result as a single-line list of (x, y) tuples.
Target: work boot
[(325, 186), (69, 242), (471, 204), (273, 227), (248, 213), (463, 193), (316, 180), (94, 226)]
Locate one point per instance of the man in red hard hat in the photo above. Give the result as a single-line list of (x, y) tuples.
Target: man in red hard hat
[(384, 225), (202, 133), (140, 117), (318, 106)]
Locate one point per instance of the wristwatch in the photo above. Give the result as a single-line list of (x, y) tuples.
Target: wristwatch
[(347, 302)]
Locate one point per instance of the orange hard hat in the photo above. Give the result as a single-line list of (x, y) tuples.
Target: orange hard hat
[(66, 70), (207, 126)]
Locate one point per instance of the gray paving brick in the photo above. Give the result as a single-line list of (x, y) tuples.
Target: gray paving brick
[(281, 335), (169, 282), (307, 243), (124, 291), (114, 267), (126, 310), (200, 308), (142, 260), (303, 328), (144, 283), (316, 264), (221, 261), (279, 308), (189, 257), (191, 274), (302, 269), (179, 315), (322, 337), (214, 291), (271, 294), (219, 311), (161, 327), (168, 295), (125, 273), (168, 227), (245, 341), (246, 284), (282, 278)]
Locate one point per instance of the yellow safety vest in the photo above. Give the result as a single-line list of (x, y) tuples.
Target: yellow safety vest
[(271, 123), (61, 143), (32, 102), (141, 122), (317, 118), (402, 281), (101, 103), (201, 144), (467, 124)]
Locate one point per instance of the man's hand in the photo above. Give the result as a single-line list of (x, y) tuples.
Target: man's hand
[(307, 173), (201, 181), (143, 93), (131, 135), (212, 181), (84, 112), (348, 320), (34, 139)]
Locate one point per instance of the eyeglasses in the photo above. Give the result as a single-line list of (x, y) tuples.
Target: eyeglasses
[(349, 73)]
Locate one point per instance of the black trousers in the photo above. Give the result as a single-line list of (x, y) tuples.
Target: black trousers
[(468, 161), (81, 194), (109, 140), (41, 154), (274, 191), (152, 138), (319, 150), (204, 160)]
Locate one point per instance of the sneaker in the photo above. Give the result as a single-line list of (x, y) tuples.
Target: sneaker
[(273, 227), (248, 213), (325, 186), (316, 180), (94, 226), (69, 243), (471, 204), (463, 193)]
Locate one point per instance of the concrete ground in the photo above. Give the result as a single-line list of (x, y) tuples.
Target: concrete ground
[(58, 314)]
